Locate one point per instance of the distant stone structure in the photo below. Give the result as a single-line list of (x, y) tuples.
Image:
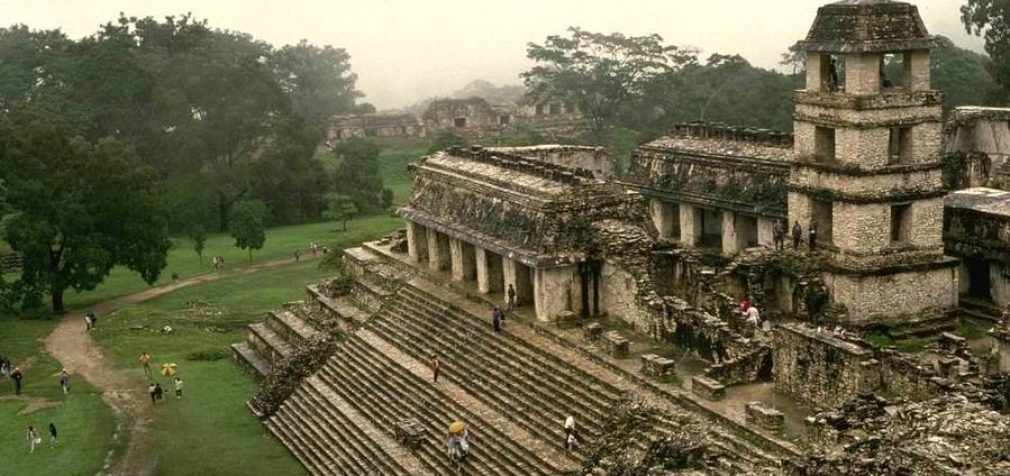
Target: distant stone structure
[(375, 125)]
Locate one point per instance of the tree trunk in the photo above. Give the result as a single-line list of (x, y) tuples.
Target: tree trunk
[(222, 209), (250, 254), (58, 307)]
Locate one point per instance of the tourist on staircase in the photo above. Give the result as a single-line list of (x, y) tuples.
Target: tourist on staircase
[(813, 237), (571, 434), (496, 320), (435, 367), (797, 235), (457, 443)]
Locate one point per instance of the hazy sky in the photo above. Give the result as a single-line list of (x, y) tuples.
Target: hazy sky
[(404, 50)]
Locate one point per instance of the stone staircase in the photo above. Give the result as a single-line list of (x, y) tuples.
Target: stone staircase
[(530, 388), (513, 389)]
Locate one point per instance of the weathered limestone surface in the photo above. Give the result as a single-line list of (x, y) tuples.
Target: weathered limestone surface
[(556, 291), (690, 228), (817, 368), (417, 242), (908, 295)]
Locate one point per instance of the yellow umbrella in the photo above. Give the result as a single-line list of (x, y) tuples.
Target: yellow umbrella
[(456, 427), (168, 370)]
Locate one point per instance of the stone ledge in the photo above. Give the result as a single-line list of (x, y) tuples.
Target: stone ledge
[(708, 389)]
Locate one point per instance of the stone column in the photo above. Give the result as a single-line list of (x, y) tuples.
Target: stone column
[(729, 244), (417, 242), (435, 258), (489, 271), (456, 261), (663, 217), (766, 231), (690, 227), (553, 292)]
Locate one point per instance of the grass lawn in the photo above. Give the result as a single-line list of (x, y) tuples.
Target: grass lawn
[(84, 423), (210, 430), (281, 243)]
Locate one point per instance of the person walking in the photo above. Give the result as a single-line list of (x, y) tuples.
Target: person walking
[(571, 438), (94, 320), (145, 361), (436, 366), (779, 234), (797, 235), (178, 388), (16, 376), (65, 381), (511, 303), (52, 435), (496, 320), (158, 391), (151, 390), (33, 438), (87, 322)]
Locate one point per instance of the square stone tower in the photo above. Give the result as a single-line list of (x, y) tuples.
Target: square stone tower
[(867, 168)]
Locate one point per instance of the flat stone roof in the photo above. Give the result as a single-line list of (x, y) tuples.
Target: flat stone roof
[(722, 147), (981, 199), (494, 173)]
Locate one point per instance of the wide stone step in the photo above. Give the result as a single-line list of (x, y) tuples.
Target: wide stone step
[(365, 438), (351, 460), (318, 463), (294, 324), (532, 358), (547, 359), (539, 405), (442, 412), (273, 342), (436, 409), (282, 435), (247, 357), (360, 398), (509, 402), (582, 395), (386, 407)]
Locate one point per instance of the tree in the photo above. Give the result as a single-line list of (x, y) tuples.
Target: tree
[(248, 225), (81, 209), (357, 174), (964, 76), (340, 208), (991, 19), (318, 80), (198, 235), (603, 75)]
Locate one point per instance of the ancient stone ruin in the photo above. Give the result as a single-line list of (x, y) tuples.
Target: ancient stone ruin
[(673, 312)]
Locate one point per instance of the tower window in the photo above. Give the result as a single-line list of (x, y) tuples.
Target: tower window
[(832, 73), (824, 144), (459, 122), (900, 226), (899, 149), (895, 70)]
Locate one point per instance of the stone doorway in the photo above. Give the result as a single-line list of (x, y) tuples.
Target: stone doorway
[(979, 279)]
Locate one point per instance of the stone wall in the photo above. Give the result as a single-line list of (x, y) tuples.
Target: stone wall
[(890, 298), (820, 370)]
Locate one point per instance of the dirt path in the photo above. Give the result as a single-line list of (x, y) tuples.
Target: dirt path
[(125, 393)]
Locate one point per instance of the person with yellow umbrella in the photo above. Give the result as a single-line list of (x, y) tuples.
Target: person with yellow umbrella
[(456, 443)]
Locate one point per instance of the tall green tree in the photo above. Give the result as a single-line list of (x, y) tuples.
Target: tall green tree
[(318, 80), (82, 208), (358, 176), (603, 75), (248, 225), (991, 20)]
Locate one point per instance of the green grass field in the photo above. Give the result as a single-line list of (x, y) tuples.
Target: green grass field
[(281, 243), (85, 424), (210, 428)]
